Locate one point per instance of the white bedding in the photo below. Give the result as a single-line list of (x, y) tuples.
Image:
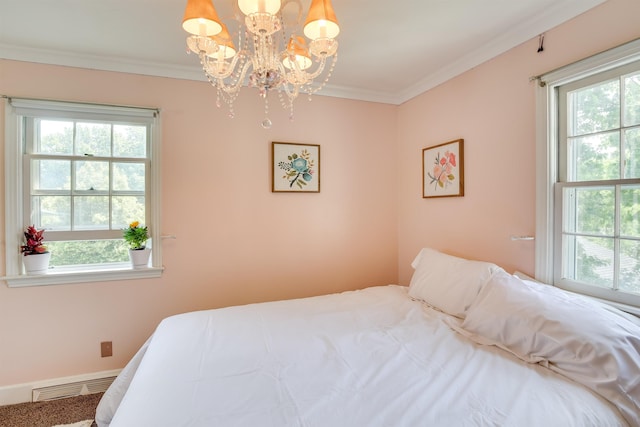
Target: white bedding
[(373, 357)]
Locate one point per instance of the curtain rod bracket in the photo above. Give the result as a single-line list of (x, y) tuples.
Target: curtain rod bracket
[(541, 82)]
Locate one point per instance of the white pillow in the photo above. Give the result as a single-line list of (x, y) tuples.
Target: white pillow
[(526, 277), (446, 282), (573, 336)]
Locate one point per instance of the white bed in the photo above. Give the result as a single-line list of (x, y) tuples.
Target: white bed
[(382, 356)]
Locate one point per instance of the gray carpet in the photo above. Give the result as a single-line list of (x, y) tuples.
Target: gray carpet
[(50, 413)]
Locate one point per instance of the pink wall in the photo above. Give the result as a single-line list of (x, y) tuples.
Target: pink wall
[(492, 107), (236, 241)]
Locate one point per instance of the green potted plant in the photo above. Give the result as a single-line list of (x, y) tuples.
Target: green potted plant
[(36, 256), (136, 237)]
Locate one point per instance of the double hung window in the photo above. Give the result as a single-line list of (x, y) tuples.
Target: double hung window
[(82, 172), (592, 159)]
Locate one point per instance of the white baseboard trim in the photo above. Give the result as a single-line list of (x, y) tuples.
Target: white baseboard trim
[(20, 393)]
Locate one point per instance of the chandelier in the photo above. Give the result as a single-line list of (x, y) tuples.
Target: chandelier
[(266, 52)]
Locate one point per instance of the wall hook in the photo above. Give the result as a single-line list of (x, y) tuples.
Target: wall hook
[(540, 42)]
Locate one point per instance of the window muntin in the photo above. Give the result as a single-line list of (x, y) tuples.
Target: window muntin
[(597, 232), (85, 176), (631, 112), (601, 250), (80, 171)]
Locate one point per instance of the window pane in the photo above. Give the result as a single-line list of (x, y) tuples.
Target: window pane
[(93, 139), (54, 212), (91, 176), (594, 157), (128, 177), (594, 108), (632, 99), (56, 137), (589, 260), (630, 266), (127, 209), (91, 212), (630, 211), (51, 175), (632, 153), (589, 210), (67, 253), (129, 141)]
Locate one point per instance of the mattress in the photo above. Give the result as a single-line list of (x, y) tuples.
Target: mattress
[(373, 357)]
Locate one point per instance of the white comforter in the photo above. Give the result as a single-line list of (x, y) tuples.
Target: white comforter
[(366, 358)]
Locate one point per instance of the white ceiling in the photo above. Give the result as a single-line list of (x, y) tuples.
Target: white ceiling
[(388, 51)]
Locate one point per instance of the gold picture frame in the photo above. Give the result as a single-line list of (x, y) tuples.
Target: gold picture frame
[(443, 170), (295, 168)]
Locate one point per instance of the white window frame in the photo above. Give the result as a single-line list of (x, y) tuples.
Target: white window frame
[(15, 110), (547, 148)]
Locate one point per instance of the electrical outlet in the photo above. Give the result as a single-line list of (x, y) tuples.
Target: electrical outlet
[(106, 349)]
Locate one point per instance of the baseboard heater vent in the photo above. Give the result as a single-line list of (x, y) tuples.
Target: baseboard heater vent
[(60, 391)]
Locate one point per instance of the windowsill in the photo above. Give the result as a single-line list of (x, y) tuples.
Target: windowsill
[(620, 306), (63, 276)]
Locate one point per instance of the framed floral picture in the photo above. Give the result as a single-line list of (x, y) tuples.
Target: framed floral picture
[(295, 168), (443, 170)]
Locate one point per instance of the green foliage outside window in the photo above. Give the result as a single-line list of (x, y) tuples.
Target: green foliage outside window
[(70, 253), (604, 144), (98, 183)]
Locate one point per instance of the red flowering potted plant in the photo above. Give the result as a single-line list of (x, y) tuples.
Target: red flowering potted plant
[(36, 256)]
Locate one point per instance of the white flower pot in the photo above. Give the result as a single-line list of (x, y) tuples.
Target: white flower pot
[(36, 263), (139, 257)]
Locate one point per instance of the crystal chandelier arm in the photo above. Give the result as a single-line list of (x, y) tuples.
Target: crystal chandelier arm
[(292, 90), (319, 70), (311, 90), (321, 49), (219, 69), (297, 76), (235, 87)]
